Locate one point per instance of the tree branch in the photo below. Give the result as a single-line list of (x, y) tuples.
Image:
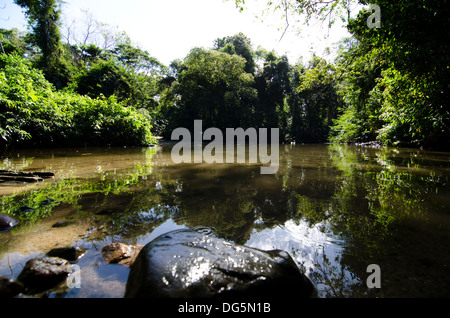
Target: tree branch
[(287, 19)]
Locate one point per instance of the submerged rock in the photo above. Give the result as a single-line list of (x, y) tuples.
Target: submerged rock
[(62, 224), (41, 274), (118, 253), (72, 254), (189, 264), (7, 222)]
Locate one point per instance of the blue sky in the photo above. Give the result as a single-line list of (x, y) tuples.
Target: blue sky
[(168, 29)]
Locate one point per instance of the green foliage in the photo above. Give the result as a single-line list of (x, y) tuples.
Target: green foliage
[(407, 111), (13, 41), (43, 19), (34, 114), (104, 78), (126, 72), (136, 59), (107, 122), (379, 88), (273, 85), (238, 44), (108, 78), (347, 128), (392, 81), (319, 100), (21, 89), (217, 87), (119, 85), (358, 69), (212, 86), (391, 92)]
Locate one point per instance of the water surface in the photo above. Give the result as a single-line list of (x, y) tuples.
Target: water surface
[(335, 209)]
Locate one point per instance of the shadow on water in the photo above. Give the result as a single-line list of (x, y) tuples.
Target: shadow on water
[(336, 209)]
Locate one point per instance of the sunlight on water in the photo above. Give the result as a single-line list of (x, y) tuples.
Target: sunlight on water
[(315, 249)]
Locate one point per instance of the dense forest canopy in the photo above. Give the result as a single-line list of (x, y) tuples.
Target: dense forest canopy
[(387, 84)]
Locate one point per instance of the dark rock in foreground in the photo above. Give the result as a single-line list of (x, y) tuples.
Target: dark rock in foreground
[(41, 274), (188, 264)]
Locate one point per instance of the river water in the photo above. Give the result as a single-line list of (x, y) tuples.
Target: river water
[(335, 209)]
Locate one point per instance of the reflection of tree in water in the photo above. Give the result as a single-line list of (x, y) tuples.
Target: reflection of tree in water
[(337, 279), (373, 199), (82, 194), (346, 188), (356, 197)]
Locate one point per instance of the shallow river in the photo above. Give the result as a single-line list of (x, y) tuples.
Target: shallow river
[(335, 209)]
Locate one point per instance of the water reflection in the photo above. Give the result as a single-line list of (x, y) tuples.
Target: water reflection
[(336, 209)]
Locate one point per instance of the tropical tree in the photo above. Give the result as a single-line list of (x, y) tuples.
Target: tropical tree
[(13, 41), (320, 100), (392, 92), (412, 90), (358, 68), (44, 19), (212, 86), (273, 85), (33, 113), (238, 44)]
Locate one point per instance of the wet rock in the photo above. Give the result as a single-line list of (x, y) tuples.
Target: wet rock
[(10, 288), (72, 254), (41, 274), (7, 222), (118, 253), (189, 264)]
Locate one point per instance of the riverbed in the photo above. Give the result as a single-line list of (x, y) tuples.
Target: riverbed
[(336, 209)]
